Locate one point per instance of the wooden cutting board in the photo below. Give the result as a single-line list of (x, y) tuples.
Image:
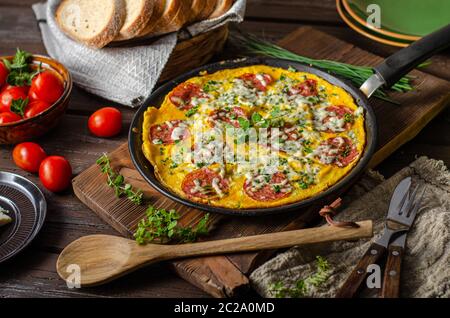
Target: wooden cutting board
[(226, 276)]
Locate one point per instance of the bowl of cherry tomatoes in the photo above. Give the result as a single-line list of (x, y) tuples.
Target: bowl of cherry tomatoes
[(34, 95)]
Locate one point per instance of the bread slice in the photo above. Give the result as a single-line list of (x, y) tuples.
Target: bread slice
[(158, 11), (138, 15), (202, 9), (221, 8), (94, 23), (176, 14)]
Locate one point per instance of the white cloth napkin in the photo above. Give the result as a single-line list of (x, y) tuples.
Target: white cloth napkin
[(126, 75)]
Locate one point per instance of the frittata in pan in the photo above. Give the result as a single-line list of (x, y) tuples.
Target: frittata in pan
[(253, 137)]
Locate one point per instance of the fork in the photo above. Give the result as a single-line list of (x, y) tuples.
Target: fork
[(395, 223)]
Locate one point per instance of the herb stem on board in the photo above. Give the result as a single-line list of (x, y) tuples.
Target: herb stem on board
[(163, 226), (356, 74), (117, 181)]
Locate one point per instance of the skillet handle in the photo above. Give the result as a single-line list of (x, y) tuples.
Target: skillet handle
[(402, 62)]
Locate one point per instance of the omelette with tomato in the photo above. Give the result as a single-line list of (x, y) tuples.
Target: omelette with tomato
[(253, 137)]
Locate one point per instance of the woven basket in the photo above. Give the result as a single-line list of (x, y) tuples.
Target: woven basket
[(194, 52)]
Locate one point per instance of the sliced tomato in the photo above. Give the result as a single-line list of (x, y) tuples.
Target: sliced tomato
[(339, 151), (169, 132), (268, 188), (8, 94), (35, 108), (259, 81), (306, 88), (8, 117), (183, 94), (202, 184), (228, 116)]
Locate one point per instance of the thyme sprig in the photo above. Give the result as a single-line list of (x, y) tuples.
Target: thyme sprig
[(162, 226), (302, 286), (117, 181)]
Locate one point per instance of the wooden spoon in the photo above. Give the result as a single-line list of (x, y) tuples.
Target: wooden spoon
[(102, 258)]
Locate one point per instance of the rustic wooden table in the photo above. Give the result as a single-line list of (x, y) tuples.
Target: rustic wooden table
[(32, 273)]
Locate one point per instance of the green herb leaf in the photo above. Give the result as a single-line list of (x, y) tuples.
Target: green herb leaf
[(20, 73), (302, 286), (243, 123), (162, 225), (191, 111), (18, 106)]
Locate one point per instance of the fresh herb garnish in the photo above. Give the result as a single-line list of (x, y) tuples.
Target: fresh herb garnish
[(302, 286), (243, 123), (20, 72), (117, 182), (162, 225), (191, 111), (348, 118), (210, 86), (18, 106)]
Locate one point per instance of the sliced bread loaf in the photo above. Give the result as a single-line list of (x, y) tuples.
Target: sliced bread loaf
[(94, 23), (138, 15), (175, 14), (202, 9), (221, 8), (158, 11)]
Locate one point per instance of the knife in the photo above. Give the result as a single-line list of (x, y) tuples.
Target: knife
[(397, 220), (391, 280)]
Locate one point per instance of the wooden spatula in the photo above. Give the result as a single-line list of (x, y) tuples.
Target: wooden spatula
[(102, 258)]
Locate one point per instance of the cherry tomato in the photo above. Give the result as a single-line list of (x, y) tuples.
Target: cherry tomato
[(8, 95), (55, 173), (28, 156), (47, 87), (35, 108), (105, 122), (3, 74), (8, 117), (32, 96)]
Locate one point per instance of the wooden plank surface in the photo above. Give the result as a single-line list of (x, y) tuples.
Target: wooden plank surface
[(222, 275), (32, 274)]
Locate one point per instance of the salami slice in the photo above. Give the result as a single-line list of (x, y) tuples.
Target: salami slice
[(183, 95), (339, 151), (268, 187), (340, 112), (227, 116), (306, 88), (204, 184), (259, 81), (169, 132)]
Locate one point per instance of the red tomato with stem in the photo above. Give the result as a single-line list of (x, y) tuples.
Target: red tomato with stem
[(28, 156), (105, 122), (8, 117), (35, 108), (3, 74), (55, 173), (47, 87), (9, 94)]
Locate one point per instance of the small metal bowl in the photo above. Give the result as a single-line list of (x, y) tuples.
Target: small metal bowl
[(31, 128), (26, 206)]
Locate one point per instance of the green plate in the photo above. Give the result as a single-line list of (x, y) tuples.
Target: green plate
[(410, 17)]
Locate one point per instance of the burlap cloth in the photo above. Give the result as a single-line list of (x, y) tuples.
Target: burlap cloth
[(426, 264)]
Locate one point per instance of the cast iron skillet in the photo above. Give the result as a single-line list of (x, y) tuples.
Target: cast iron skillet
[(387, 73)]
